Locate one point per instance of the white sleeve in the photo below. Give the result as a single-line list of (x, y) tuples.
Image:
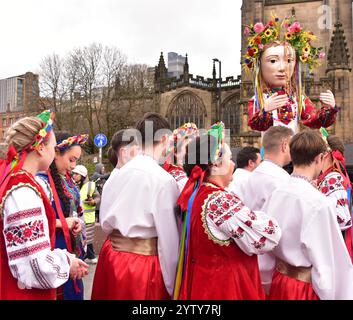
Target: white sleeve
[(164, 208), (332, 187), (26, 235), (254, 232), (332, 269), (181, 184)]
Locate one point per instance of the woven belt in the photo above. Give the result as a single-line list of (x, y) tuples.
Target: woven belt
[(299, 273), (147, 247)]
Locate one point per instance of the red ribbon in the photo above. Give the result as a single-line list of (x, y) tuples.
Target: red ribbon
[(62, 218), (166, 166), (6, 169), (339, 156), (196, 173)]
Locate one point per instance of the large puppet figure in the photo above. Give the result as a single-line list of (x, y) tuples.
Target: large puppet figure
[(277, 64)]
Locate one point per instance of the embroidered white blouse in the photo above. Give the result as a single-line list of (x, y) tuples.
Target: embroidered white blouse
[(26, 234), (332, 187), (226, 217)]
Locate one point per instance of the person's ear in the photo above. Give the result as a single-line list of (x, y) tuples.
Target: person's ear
[(319, 158), (40, 150)]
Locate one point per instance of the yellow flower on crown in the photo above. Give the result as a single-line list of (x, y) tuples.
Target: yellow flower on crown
[(43, 133), (303, 58), (268, 33), (306, 49), (289, 36)]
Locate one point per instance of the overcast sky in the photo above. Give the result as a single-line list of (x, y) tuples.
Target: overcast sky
[(141, 29)]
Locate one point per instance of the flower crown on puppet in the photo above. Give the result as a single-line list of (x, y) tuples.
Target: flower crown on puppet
[(74, 140), (259, 35), (218, 131)]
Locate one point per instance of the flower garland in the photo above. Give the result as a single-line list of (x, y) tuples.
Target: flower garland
[(47, 117), (260, 35), (74, 140)]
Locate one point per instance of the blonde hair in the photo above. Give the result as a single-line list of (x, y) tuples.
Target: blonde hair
[(274, 137), (23, 132)]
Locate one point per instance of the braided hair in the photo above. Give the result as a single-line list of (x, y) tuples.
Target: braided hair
[(65, 200)]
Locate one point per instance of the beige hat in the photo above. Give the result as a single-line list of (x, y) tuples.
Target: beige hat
[(80, 169)]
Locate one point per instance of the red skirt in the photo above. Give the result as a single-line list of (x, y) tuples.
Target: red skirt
[(127, 276), (287, 288)]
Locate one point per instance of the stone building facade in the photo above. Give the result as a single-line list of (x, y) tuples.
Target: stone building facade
[(203, 101)]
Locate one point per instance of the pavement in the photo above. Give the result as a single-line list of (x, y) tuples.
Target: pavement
[(99, 239)]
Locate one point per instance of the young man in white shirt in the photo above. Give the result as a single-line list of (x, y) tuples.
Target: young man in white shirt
[(264, 180), (248, 159), (138, 260), (312, 261)]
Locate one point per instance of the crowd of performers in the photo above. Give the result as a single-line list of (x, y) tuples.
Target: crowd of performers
[(180, 222)]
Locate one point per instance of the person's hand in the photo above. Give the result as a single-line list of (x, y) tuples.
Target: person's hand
[(90, 202), (327, 99), (275, 101), (74, 225), (78, 268)]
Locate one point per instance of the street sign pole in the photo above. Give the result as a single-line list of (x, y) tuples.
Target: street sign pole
[(100, 155), (100, 141)]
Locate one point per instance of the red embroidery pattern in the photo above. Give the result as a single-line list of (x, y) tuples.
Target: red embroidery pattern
[(270, 229), (331, 183), (178, 174), (239, 233), (222, 206), (29, 250), (30, 231), (259, 244), (24, 214)]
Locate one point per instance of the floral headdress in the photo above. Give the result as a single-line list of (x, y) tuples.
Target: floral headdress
[(186, 131), (260, 35), (47, 117), (15, 160), (217, 130), (71, 141)]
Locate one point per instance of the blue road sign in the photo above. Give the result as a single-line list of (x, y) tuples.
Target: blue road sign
[(100, 140)]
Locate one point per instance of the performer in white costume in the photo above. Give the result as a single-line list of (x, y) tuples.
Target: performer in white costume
[(138, 259), (312, 261)]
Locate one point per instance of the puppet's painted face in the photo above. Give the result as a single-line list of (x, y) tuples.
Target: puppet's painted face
[(277, 65)]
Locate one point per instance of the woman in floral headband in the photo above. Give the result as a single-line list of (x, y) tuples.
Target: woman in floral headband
[(30, 267), (220, 237), (66, 202), (175, 155), (335, 184), (277, 65)]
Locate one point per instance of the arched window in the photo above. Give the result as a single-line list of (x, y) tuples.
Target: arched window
[(186, 107), (231, 114)]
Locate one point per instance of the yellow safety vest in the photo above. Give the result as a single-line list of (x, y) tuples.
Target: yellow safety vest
[(87, 191)]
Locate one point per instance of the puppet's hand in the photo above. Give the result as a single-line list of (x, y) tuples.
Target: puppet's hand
[(327, 99), (275, 101)]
